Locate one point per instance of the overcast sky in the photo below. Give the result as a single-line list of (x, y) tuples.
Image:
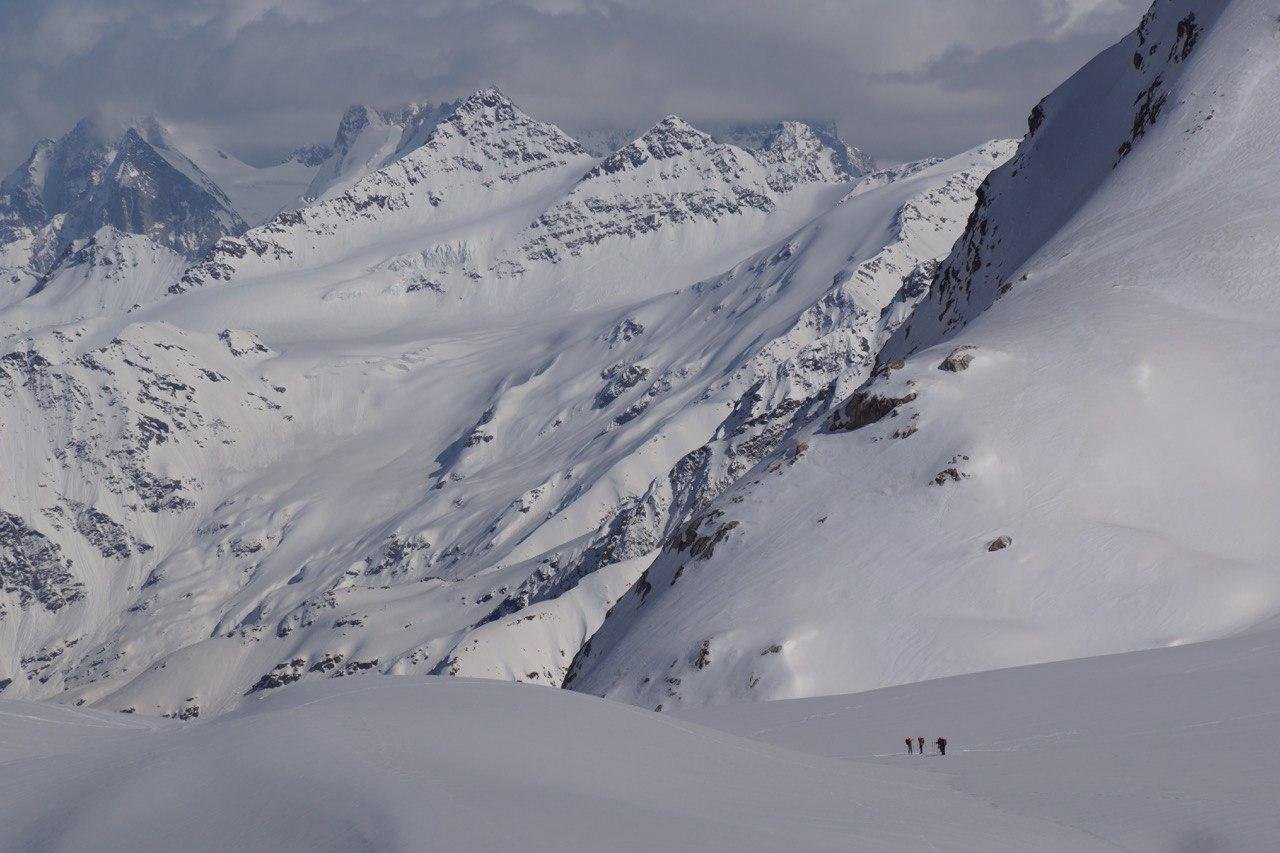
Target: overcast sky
[(904, 78)]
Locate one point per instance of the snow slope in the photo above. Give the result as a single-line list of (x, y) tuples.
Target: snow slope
[(1168, 749), (400, 764), (109, 273), (257, 193), (1065, 452)]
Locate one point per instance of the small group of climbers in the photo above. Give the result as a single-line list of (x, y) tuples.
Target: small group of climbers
[(940, 743)]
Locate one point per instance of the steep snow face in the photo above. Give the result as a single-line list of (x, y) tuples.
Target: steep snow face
[(368, 139), (413, 764), (799, 322), (110, 273), (335, 468), (127, 175), (1154, 89), (1083, 467)]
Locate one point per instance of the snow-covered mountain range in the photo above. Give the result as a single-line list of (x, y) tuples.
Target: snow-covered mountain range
[(681, 422), (438, 418)]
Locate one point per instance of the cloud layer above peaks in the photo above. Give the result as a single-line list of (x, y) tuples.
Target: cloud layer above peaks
[(904, 78)]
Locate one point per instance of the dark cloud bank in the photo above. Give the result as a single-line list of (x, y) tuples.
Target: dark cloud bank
[(903, 78)]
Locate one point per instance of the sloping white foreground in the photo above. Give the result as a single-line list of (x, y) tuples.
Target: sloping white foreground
[(453, 764), (1164, 750)]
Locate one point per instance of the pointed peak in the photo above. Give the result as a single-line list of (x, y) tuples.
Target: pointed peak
[(484, 100), (791, 133), (799, 152), (795, 128), (99, 126), (671, 137), (490, 93), (106, 127), (674, 124)]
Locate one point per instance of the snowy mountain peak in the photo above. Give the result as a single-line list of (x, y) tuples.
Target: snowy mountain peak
[(367, 139), (487, 101), (671, 137), (354, 120), (358, 117), (800, 153), (678, 175), (484, 154), (99, 127), (107, 170), (492, 114)]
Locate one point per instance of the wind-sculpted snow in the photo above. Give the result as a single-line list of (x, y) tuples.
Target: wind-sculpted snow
[(1075, 466)]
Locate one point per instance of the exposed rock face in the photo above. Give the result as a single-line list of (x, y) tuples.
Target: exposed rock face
[(999, 543), (865, 408), (143, 191), (959, 359), (33, 568), (106, 173)]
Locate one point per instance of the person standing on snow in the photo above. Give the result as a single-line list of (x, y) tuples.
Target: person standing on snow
[(920, 741), (942, 745), (908, 746)]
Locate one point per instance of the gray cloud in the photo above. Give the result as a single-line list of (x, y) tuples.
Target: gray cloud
[(904, 78)]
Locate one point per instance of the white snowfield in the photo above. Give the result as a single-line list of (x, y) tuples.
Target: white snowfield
[(1068, 450), (391, 764), (1161, 750)]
